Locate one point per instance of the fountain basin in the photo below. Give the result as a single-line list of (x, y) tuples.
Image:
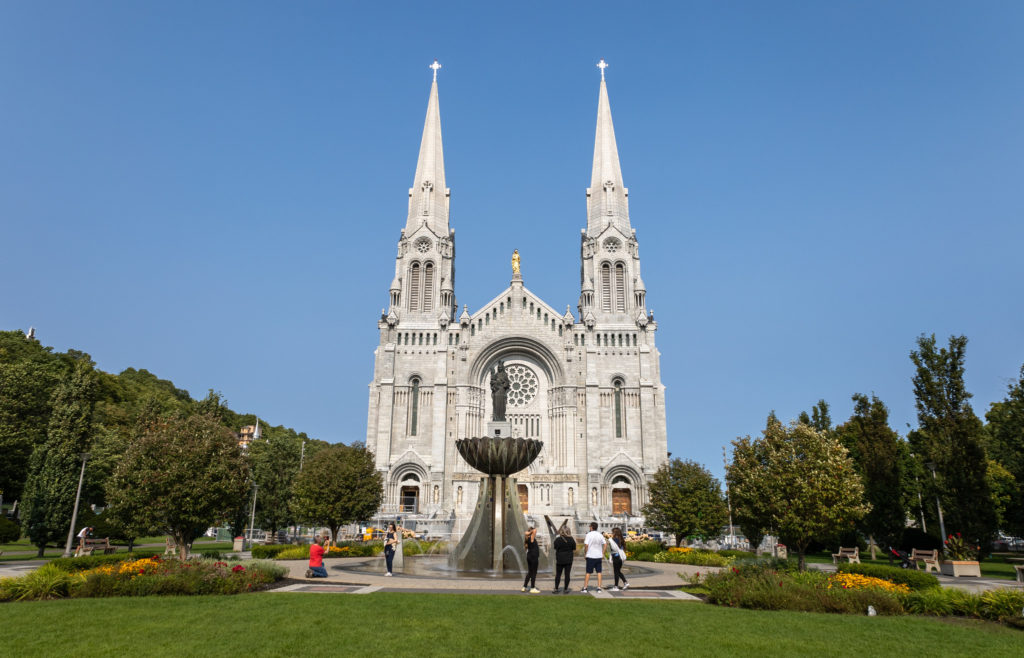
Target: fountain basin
[(498, 455)]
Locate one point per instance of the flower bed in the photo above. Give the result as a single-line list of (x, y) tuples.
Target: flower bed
[(915, 580), (142, 577), (693, 556)]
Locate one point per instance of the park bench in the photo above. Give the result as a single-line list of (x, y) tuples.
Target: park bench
[(86, 546), (1019, 568), (851, 555), (930, 559)]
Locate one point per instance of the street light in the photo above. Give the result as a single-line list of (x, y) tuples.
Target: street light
[(920, 501), (942, 524), (74, 513), (252, 516)]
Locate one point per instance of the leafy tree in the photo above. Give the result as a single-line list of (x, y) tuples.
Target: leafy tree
[(180, 476), (1006, 446), (686, 500), (879, 457), (820, 419), (338, 485), (950, 436), (275, 464), (55, 464), (10, 531), (799, 482)]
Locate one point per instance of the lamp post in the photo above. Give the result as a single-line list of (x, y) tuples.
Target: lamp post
[(74, 513), (920, 501), (942, 524), (728, 500), (252, 516)]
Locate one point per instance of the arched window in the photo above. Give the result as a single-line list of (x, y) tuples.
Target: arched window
[(415, 404), (618, 408), (428, 287), (620, 288), (606, 287), (414, 287)]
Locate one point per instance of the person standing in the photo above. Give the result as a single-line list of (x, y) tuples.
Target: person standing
[(316, 559), (565, 547), (390, 546), (617, 546), (532, 559), (595, 542)]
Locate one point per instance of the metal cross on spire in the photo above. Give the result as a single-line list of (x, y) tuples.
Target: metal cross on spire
[(601, 65), (435, 66)]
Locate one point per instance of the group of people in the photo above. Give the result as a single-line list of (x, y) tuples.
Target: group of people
[(319, 547), (598, 548)]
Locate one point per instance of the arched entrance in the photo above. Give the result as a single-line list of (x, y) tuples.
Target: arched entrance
[(622, 496)]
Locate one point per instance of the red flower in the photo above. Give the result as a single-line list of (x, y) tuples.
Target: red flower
[(237, 568)]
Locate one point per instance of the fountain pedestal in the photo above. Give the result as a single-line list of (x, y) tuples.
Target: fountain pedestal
[(494, 539)]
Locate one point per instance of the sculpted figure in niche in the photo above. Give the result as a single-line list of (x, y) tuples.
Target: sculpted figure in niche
[(499, 391)]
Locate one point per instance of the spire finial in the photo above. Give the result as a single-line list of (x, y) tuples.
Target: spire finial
[(436, 66), (601, 65)]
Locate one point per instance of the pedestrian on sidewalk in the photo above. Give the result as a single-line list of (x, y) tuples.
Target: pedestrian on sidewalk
[(390, 546), (565, 547), (316, 558), (595, 543), (532, 559), (617, 547)]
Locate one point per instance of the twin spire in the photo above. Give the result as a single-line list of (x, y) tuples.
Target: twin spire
[(607, 197)]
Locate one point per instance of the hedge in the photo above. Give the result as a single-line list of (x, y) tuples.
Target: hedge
[(915, 580)]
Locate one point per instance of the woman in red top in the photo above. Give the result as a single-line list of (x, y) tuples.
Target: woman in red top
[(316, 559)]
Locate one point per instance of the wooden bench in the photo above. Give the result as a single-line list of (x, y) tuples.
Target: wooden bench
[(930, 559), (86, 546), (851, 555)]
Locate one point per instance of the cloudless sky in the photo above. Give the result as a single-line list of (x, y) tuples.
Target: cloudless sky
[(214, 191)]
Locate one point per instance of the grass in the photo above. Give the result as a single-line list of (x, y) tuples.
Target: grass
[(462, 624), (23, 545)]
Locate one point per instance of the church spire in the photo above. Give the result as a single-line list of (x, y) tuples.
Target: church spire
[(428, 196), (607, 197)]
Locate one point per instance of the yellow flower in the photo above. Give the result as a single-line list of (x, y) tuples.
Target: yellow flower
[(858, 581)]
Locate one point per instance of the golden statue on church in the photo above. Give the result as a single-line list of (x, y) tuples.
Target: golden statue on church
[(515, 262)]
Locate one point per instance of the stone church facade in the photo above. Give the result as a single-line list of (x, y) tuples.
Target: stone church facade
[(586, 384)]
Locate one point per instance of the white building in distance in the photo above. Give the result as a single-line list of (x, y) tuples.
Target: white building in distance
[(588, 385)]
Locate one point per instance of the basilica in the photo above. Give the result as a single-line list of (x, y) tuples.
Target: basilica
[(587, 384)]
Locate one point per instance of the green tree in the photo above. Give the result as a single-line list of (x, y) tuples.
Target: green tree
[(686, 501), (180, 476), (275, 465), (1006, 446), (879, 456), (338, 485), (950, 436), (819, 419), (799, 482), (55, 464)]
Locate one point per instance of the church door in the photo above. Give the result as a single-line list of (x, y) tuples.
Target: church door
[(524, 497), (410, 499), (622, 501)]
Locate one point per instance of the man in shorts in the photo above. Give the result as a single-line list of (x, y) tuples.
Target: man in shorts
[(594, 541)]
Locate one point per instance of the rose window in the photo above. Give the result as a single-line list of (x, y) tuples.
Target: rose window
[(612, 245), (423, 245), (522, 385)]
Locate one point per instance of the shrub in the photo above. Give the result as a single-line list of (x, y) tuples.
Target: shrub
[(9, 530), (764, 563), (806, 592), (739, 555), (209, 554), (1002, 604), (46, 582), (86, 562), (916, 580), (173, 577), (269, 551), (647, 556), (643, 546), (697, 557), (293, 553), (934, 601)]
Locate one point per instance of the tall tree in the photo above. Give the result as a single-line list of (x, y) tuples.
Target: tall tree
[(180, 476), (338, 485), (799, 482), (950, 436), (879, 456), (819, 418), (55, 464), (1006, 445), (686, 500), (275, 464)]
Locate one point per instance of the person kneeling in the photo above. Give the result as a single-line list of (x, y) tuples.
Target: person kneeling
[(316, 559)]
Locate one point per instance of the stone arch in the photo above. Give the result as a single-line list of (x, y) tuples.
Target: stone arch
[(510, 347)]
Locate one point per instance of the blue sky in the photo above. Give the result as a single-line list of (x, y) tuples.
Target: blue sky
[(214, 191)]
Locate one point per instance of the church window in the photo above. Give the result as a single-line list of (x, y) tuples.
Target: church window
[(502, 307), (456, 339), (524, 302), (634, 340), (414, 287), (606, 287), (538, 313), (487, 318), (451, 337), (572, 497), (415, 403), (472, 330), (620, 288), (559, 330), (435, 339), (531, 307), (583, 340), (576, 339), (620, 340), (428, 287), (618, 408)]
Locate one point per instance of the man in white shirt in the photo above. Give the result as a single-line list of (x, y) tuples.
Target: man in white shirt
[(595, 542)]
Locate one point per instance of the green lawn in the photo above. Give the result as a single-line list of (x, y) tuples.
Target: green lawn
[(458, 624)]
